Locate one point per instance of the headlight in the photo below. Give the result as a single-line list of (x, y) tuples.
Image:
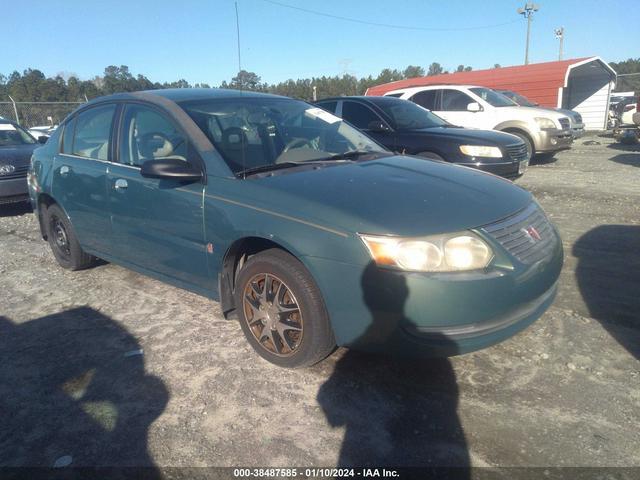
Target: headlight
[(438, 253), (545, 123), (481, 151)]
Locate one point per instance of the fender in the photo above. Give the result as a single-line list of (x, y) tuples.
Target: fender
[(519, 124)]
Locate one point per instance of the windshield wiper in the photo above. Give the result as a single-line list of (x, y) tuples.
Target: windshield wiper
[(267, 168), (351, 154), (279, 166)]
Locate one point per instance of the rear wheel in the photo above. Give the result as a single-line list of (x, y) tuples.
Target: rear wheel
[(281, 310), (63, 242)]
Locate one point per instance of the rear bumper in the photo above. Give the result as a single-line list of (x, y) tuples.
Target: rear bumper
[(552, 140), (14, 188)]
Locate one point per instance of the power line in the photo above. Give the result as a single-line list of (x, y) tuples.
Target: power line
[(386, 25)]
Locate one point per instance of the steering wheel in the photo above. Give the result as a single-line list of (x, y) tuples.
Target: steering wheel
[(297, 143)]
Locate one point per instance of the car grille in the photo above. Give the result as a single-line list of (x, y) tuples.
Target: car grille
[(517, 152), (564, 122), (519, 233), (19, 172)]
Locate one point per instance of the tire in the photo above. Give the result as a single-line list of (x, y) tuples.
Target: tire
[(63, 241), (430, 155), (285, 336), (527, 141), (545, 157)]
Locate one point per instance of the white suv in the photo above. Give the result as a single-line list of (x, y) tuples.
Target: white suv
[(543, 131)]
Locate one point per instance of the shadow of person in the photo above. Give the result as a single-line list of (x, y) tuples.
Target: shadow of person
[(396, 412), (608, 276), (73, 388)]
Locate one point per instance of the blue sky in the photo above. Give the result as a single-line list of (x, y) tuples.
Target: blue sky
[(196, 39)]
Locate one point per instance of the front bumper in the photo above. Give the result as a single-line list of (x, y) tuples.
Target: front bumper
[(552, 140), (423, 315), (504, 169), (13, 190), (577, 130)]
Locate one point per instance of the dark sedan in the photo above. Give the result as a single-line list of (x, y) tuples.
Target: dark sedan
[(403, 126), (16, 147)]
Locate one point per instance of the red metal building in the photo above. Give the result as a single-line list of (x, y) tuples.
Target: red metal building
[(580, 84)]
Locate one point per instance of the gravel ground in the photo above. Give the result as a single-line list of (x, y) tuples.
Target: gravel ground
[(107, 367)]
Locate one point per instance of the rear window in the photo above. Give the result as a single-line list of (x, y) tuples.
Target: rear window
[(92, 132)]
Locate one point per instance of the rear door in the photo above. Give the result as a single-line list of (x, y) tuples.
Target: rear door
[(157, 223), (453, 108), (80, 172)]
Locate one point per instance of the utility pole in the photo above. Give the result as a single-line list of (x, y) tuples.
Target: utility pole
[(527, 12), (560, 36)]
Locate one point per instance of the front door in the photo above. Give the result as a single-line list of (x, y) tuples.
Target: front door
[(157, 223), (361, 117), (80, 176)]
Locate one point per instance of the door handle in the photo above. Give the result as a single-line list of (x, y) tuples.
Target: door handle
[(64, 170), (121, 184)]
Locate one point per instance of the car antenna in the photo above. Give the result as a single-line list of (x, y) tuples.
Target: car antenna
[(244, 175)]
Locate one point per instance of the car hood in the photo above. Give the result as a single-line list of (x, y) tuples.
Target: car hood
[(530, 112), (395, 195), (17, 155), (474, 137)]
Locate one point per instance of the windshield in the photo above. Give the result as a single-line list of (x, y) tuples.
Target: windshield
[(254, 132), (493, 98), (519, 99), (408, 115), (11, 135)]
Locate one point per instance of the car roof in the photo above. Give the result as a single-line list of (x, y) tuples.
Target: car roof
[(375, 99), (433, 86), (178, 95)]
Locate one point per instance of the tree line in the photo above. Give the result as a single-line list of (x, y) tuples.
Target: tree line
[(33, 86)]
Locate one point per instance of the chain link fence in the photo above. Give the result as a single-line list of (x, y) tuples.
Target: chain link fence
[(32, 114)]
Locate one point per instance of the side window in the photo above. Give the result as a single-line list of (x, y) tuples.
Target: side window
[(455, 101), (396, 95), (67, 136), (358, 115), (329, 106), (92, 132), (149, 135), (426, 99)]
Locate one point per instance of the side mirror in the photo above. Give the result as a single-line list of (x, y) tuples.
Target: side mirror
[(474, 107), (42, 139), (170, 168), (377, 126)]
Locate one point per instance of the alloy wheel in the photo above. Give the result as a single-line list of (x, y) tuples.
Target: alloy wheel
[(273, 314)]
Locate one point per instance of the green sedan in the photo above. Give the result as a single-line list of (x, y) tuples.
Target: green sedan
[(306, 230)]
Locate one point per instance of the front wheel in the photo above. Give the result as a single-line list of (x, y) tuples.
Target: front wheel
[(281, 310), (527, 141)]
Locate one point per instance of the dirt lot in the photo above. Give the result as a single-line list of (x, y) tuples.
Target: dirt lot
[(566, 392)]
